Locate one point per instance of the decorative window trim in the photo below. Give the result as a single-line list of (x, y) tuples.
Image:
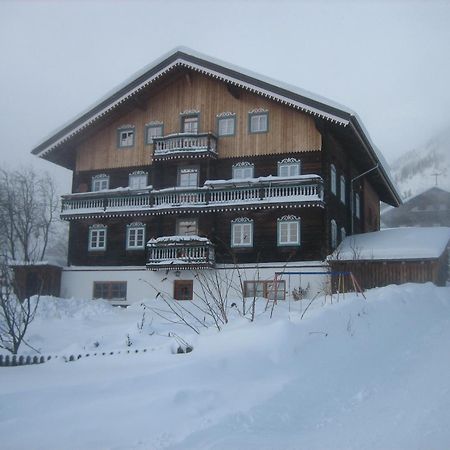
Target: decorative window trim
[(135, 226), (258, 112), (289, 219), (242, 164), (226, 116), (196, 168), (333, 179), (122, 129), (342, 188), (99, 178), (94, 234), (149, 125), (290, 162), (189, 113), (333, 234), (240, 221), (138, 173)]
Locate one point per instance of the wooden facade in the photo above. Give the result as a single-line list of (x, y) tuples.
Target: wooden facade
[(299, 129)]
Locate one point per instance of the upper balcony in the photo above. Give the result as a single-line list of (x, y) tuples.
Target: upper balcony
[(182, 145), (253, 193)]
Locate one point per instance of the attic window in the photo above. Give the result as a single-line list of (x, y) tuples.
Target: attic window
[(125, 137)]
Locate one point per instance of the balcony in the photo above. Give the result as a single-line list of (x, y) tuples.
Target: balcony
[(180, 253), (184, 144), (215, 195)]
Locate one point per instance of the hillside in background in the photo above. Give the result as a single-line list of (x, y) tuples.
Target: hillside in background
[(414, 171)]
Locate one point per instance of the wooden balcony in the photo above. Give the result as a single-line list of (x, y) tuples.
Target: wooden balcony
[(180, 253), (264, 192), (184, 145)]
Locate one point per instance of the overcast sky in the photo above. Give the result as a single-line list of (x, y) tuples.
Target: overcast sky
[(387, 60)]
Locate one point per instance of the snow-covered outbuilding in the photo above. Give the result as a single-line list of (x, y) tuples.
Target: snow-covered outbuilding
[(395, 256)]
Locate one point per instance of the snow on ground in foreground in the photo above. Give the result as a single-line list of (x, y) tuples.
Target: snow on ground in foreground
[(352, 375)]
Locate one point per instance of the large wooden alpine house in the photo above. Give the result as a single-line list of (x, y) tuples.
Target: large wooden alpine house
[(194, 163)]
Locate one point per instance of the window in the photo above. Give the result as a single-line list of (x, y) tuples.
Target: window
[(289, 167), (265, 289), (243, 170), (357, 206), (242, 232), (258, 121), (288, 231), (137, 180), (343, 189), (135, 236), (110, 290), (97, 237), (153, 130), (187, 227), (183, 289), (125, 136), (343, 234), (100, 182), (188, 176), (333, 234), (189, 123), (333, 179), (226, 124)]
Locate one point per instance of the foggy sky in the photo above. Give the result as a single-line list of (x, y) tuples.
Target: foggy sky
[(388, 61)]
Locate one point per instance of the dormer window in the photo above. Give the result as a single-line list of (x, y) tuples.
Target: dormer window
[(258, 121), (100, 182), (125, 136), (190, 122), (152, 130), (137, 180), (243, 169), (289, 167)]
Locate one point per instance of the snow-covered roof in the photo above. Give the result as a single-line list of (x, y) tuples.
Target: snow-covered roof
[(275, 90), (394, 244)]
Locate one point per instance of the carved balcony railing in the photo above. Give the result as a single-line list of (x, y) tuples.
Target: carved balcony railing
[(184, 144), (180, 252), (253, 193)]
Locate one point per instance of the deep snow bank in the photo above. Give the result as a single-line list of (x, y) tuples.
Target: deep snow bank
[(352, 375)]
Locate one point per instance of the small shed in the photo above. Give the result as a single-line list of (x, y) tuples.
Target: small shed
[(40, 278), (395, 256)]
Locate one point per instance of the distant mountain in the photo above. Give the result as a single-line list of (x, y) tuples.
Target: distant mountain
[(415, 171)]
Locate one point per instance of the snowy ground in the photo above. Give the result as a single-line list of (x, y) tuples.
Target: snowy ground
[(358, 374)]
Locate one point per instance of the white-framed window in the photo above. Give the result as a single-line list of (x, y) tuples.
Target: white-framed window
[(357, 206), (255, 289), (258, 121), (135, 236), (343, 189), (187, 227), (190, 123), (97, 237), (243, 170), (343, 234), (125, 136), (138, 180), (333, 180), (226, 124), (100, 182), (188, 176), (288, 231), (289, 167), (265, 289), (153, 130), (333, 234), (242, 232)]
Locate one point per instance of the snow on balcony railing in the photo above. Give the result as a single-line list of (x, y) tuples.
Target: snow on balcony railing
[(183, 142), (180, 251), (213, 193)]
